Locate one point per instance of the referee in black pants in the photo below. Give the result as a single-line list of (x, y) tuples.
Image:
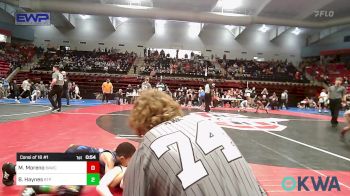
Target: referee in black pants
[(336, 94), (66, 86), (56, 87), (207, 97)]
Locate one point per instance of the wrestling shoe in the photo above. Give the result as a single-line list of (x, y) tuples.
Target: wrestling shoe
[(8, 173)]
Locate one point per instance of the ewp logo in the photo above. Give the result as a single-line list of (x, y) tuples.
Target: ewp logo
[(33, 18), (319, 184)]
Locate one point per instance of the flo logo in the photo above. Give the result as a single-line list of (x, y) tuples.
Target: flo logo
[(312, 183), (241, 122)]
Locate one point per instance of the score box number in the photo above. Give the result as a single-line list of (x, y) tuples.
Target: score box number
[(93, 173)]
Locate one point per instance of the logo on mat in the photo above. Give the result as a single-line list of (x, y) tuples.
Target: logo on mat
[(310, 183), (241, 122)]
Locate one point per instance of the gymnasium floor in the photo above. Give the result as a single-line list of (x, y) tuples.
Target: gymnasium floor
[(282, 143)]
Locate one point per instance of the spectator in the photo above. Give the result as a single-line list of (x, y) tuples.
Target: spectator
[(322, 101), (274, 101), (107, 90), (146, 85), (77, 92), (35, 94), (5, 86), (284, 99), (119, 97), (14, 91), (42, 89), (26, 85), (66, 86)]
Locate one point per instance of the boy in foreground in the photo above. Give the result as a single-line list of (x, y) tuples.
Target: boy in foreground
[(183, 155), (347, 128)]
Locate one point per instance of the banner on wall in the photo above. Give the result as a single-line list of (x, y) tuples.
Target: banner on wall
[(33, 18)]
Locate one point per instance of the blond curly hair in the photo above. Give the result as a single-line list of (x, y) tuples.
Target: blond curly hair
[(152, 108)]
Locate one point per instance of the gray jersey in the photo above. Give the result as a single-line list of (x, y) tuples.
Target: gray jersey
[(336, 92), (189, 156), (59, 78)]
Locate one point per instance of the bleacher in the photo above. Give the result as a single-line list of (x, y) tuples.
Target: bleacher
[(87, 61), (195, 66), (278, 71), (4, 69), (329, 74)]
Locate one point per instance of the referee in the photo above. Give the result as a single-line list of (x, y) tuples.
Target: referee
[(56, 87), (207, 97), (336, 94)]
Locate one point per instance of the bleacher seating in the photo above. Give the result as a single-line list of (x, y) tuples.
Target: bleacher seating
[(195, 66), (279, 71), (328, 73), (88, 61), (14, 55), (4, 69)]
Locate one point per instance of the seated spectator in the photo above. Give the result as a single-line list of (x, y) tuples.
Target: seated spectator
[(274, 101), (242, 69), (92, 61)]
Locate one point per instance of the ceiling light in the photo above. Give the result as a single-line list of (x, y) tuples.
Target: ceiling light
[(296, 31), (264, 28), (122, 19), (159, 24), (84, 16), (229, 27), (194, 29), (138, 7), (229, 4), (135, 1), (228, 14)]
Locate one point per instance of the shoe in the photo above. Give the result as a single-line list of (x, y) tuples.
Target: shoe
[(56, 110), (68, 105), (17, 101), (325, 111), (28, 191), (8, 173), (319, 111)]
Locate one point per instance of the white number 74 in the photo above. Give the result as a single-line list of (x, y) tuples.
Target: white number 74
[(209, 137)]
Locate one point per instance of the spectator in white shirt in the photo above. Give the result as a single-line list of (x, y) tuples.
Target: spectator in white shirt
[(322, 101)]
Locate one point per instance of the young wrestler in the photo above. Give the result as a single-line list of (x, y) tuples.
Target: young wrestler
[(243, 105), (261, 102), (113, 178)]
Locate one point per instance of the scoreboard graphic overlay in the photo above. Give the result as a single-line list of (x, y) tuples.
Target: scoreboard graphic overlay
[(58, 169)]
